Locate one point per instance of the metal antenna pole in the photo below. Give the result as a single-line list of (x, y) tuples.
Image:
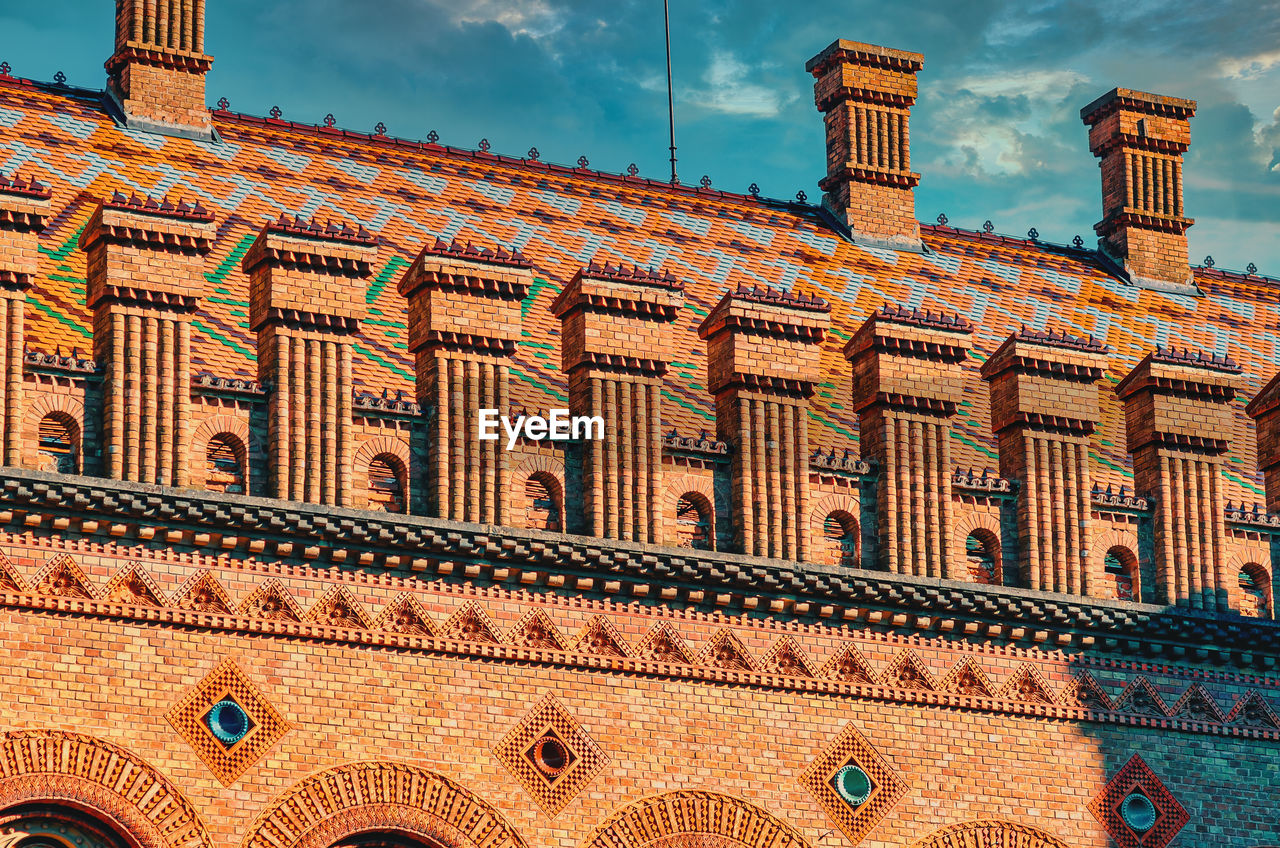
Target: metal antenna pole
[(671, 103)]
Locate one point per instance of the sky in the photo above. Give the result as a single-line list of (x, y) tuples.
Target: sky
[(996, 133)]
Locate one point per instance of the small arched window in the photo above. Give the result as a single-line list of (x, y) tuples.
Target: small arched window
[(693, 522), (840, 539), (982, 551), (224, 465), (542, 503), (59, 436), (386, 484), (1120, 567), (1255, 600)]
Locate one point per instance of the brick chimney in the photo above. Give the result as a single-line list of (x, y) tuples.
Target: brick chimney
[(1044, 406), (763, 358), (615, 330), (1178, 420), (24, 207), (866, 93), (906, 386), (1265, 411), (464, 325), (306, 302), (1140, 139), (156, 74)]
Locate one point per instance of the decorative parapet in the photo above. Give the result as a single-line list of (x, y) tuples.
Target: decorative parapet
[(73, 364), (385, 405), (845, 464), (1255, 518), (701, 445), (235, 388), (1123, 500), (982, 483)]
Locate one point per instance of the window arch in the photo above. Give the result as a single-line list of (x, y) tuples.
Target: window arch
[(386, 483), (982, 553), (1120, 568), (694, 525), (225, 465), (59, 443), (544, 503), (840, 539), (54, 826), (1255, 594)]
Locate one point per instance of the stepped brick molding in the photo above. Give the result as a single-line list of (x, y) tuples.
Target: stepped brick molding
[(24, 206)]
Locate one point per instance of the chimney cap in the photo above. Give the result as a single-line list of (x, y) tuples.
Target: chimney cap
[(860, 53), (1137, 101)]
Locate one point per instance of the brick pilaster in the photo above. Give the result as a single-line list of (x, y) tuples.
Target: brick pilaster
[(157, 73), (615, 327), (464, 324), (145, 262), (906, 384), (24, 206), (1178, 421), (1265, 411), (1044, 406), (763, 358), (307, 298)]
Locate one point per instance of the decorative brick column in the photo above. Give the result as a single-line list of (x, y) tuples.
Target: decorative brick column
[(1044, 406), (306, 300), (145, 279), (1178, 420), (156, 76), (615, 331), (1140, 139), (907, 382), (866, 94), (763, 358), (24, 206), (464, 323), (1265, 411)]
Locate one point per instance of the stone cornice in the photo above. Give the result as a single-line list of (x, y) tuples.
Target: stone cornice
[(625, 573)]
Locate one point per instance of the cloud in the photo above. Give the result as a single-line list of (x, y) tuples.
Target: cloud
[(1249, 67), (727, 88), (533, 18)]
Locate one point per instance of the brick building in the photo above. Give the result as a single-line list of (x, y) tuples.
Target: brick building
[(900, 534)]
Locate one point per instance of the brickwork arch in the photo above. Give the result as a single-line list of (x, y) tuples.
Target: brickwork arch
[(991, 832), (675, 487), (382, 797), (550, 472), (235, 430), (1099, 547), (370, 449), (693, 819), (1259, 569), (987, 528), (845, 506), (102, 780), (63, 407)]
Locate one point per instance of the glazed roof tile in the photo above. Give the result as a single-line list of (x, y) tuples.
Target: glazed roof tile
[(561, 219)]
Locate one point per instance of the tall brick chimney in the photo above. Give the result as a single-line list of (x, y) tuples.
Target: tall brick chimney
[(1140, 139), (156, 74), (1265, 411), (866, 93)]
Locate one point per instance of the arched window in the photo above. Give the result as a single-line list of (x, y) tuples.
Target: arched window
[(224, 465), (693, 522), (542, 503), (49, 826), (59, 436), (840, 539), (386, 483), (982, 551), (1255, 599), (1121, 569)]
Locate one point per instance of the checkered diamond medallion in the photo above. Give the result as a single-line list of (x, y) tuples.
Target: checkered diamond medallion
[(551, 755), (1137, 809), (854, 784)]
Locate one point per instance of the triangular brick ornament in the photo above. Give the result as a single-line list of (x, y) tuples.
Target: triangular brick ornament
[(63, 577), (470, 623), (133, 585), (1084, 690), (1142, 698), (1196, 704), (10, 578), (536, 630), (1027, 685), (849, 666), (908, 671), (787, 658), (1252, 710), (663, 643), (405, 614), (272, 601), (339, 608), (855, 785), (725, 651), (601, 637), (1137, 809), (967, 678), (203, 593)]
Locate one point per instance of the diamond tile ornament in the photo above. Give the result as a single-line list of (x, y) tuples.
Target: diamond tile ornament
[(551, 755), (1137, 809), (854, 784), (228, 721)]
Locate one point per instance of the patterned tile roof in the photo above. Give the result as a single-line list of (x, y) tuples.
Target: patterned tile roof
[(561, 219)]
